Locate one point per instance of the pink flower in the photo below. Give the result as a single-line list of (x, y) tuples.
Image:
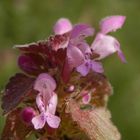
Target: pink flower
[(79, 52), (77, 47), (105, 45), (46, 101), (47, 113)]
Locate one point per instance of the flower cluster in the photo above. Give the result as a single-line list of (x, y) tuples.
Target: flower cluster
[(52, 62), (79, 53)]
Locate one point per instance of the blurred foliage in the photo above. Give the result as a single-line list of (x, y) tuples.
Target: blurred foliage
[(24, 21)]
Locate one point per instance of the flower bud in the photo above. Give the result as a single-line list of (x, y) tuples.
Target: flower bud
[(71, 88), (27, 114)]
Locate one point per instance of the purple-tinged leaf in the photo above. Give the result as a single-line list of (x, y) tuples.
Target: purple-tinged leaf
[(45, 46), (39, 57), (58, 41), (14, 128), (16, 90), (32, 64)]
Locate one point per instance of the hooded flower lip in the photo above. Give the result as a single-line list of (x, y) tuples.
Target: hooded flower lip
[(45, 84), (44, 81), (111, 23), (105, 45), (80, 32), (46, 101), (62, 26)]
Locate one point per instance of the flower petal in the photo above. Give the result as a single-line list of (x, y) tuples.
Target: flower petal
[(81, 30), (53, 104), (40, 103), (104, 45), (62, 26), (119, 51), (53, 121), (75, 56), (97, 66), (44, 81), (111, 23), (84, 68), (84, 47), (39, 121)]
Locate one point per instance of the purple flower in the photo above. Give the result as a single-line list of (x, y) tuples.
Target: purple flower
[(47, 113), (76, 45), (78, 48), (46, 101), (105, 45)]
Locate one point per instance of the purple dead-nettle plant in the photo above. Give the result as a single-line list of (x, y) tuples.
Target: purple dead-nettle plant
[(63, 91)]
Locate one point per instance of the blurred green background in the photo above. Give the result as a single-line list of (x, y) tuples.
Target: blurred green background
[(24, 21)]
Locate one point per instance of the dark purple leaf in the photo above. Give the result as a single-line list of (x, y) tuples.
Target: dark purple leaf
[(57, 41), (32, 64), (16, 90), (45, 46), (60, 56), (39, 57), (14, 128)]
